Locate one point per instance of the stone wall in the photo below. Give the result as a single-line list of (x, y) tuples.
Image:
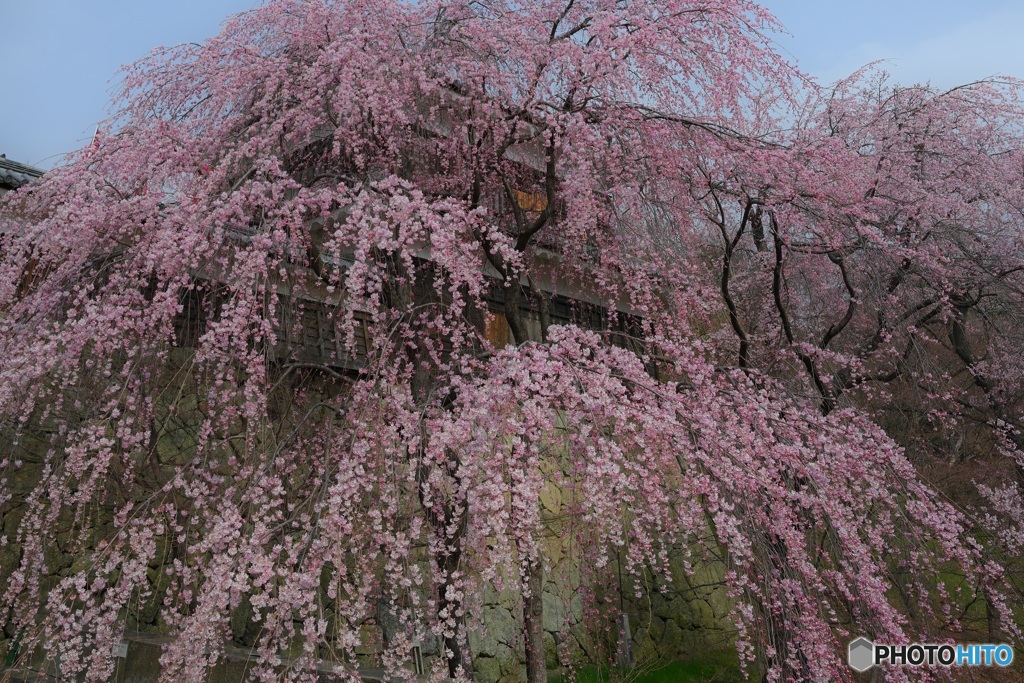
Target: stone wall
[(686, 617)]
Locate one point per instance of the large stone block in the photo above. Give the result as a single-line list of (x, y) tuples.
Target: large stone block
[(554, 613), (486, 669), (500, 631), (671, 641)]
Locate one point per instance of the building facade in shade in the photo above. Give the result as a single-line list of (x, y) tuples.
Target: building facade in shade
[(308, 325)]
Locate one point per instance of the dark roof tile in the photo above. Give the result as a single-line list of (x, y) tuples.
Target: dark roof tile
[(13, 175)]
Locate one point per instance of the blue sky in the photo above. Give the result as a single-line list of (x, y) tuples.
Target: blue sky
[(947, 42), (59, 56)]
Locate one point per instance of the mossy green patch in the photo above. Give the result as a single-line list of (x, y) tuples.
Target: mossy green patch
[(716, 668)]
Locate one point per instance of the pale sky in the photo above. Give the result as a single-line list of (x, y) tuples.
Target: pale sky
[(58, 56)]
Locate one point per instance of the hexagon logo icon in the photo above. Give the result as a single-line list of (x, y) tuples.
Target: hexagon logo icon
[(862, 654)]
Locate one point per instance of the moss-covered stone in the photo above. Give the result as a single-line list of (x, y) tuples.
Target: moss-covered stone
[(487, 669)]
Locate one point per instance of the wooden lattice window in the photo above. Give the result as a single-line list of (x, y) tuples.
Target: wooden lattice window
[(315, 332)]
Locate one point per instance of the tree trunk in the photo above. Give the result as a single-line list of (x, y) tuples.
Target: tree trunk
[(445, 525), (461, 656), (533, 625)]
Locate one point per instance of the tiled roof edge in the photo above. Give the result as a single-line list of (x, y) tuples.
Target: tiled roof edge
[(14, 174)]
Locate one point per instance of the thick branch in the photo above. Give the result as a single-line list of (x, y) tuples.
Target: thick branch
[(730, 246), (828, 400), (836, 328)]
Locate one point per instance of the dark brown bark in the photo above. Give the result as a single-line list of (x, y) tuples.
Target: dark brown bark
[(533, 605), (441, 515), (730, 248), (526, 229), (533, 625), (958, 337), (828, 399), (757, 230)]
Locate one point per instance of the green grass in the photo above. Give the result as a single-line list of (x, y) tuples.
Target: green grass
[(670, 672)]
